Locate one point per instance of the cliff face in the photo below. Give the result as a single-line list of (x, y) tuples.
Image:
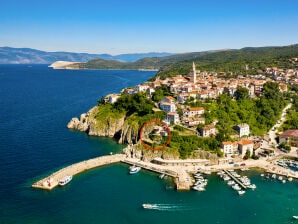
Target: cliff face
[(115, 127)]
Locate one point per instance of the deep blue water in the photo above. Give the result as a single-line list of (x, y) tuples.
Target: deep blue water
[(36, 104)]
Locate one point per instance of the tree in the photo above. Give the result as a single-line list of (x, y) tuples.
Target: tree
[(241, 93)]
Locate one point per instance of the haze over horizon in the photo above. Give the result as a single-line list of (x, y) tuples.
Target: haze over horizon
[(155, 26)]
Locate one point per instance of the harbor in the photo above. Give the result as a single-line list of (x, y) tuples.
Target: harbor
[(181, 177)]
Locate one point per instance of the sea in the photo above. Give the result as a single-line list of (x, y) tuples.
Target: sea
[(37, 102)]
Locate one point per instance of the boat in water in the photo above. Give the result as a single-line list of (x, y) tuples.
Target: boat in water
[(133, 170), (65, 180), (241, 192), (148, 206), (295, 216)]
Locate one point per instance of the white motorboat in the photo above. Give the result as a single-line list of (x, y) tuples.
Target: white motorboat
[(149, 206), (252, 186), (290, 179), (241, 192), (236, 187), (134, 170), (199, 188), (231, 182), (65, 180), (295, 216)]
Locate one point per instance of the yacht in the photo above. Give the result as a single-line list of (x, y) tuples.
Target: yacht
[(65, 180), (134, 170)]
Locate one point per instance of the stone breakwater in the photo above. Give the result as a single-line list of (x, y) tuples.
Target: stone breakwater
[(52, 181)]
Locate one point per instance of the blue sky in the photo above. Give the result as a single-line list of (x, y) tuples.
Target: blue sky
[(130, 26)]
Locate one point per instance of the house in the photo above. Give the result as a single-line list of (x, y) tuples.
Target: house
[(193, 112), (208, 131), (173, 117), (242, 129), (245, 145), (167, 104), (111, 98), (229, 148), (290, 137), (141, 88)]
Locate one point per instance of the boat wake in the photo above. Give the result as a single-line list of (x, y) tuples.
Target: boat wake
[(169, 207)]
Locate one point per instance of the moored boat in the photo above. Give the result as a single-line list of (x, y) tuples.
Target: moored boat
[(295, 216), (241, 192), (65, 180), (134, 170)]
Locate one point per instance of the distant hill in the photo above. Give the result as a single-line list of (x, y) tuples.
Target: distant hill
[(230, 60), (9, 55)]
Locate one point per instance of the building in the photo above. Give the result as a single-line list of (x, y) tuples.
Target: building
[(242, 129), (229, 148), (111, 98), (290, 137), (245, 145), (193, 112), (208, 131), (141, 88), (167, 104), (173, 117)]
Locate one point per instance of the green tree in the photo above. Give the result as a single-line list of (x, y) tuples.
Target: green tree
[(241, 93)]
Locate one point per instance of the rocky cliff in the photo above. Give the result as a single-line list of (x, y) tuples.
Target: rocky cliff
[(106, 126)]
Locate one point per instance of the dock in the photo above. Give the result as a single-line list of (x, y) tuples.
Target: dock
[(50, 182), (235, 179), (182, 178)]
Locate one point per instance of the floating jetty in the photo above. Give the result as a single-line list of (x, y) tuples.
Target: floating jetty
[(235, 179), (182, 178)]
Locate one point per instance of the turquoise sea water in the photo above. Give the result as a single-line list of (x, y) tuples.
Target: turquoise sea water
[(37, 102)]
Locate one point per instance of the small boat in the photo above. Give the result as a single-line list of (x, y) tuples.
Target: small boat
[(134, 170), (161, 176), (295, 216), (252, 186), (274, 176), (280, 178), (241, 192), (262, 174), (290, 179), (284, 181), (199, 188), (149, 206), (65, 180), (231, 182)]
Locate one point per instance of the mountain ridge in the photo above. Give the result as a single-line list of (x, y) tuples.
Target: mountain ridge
[(10, 55)]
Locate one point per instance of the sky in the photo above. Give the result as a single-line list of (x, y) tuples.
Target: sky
[(135, 26)]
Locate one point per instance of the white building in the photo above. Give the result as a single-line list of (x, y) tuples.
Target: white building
[(245, 145), (242, 129), (193, 112), (167, 104), (173, 117), (229, 148)]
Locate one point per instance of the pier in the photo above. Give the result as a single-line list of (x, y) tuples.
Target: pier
[(235, 179), (48, 183), (182, 178)]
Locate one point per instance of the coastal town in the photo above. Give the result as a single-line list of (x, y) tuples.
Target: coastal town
[(277, 162)]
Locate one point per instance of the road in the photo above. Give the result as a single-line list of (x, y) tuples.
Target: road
[(272, 132)]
